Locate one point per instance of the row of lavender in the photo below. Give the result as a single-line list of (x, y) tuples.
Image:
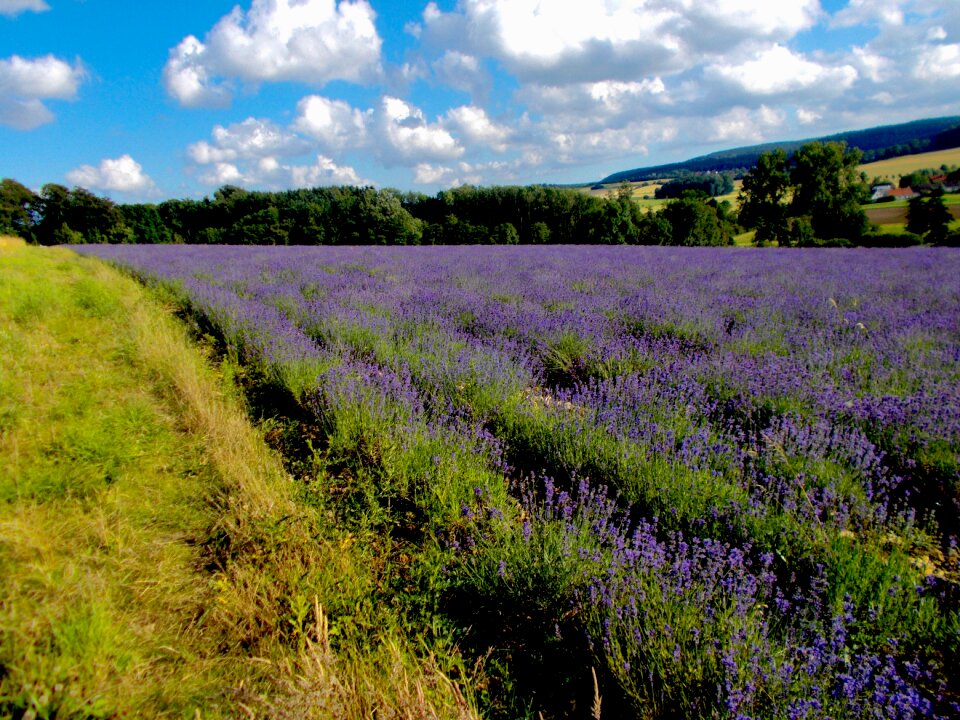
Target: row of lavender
[(747, 460)]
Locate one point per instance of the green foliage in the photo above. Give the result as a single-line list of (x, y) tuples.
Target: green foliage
[(712, 184), (695, 222), (505, 234), (928, 216), (146, 225), (72, 216), (16, 209), (890, 240), (817, 195), (763, 197), (828, 189)]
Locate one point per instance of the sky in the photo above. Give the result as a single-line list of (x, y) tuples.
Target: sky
[(144, 101)]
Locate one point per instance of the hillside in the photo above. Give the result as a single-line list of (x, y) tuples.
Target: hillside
[(876, 143)]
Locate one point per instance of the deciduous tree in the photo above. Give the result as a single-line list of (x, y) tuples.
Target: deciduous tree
[(828, 188), (763, 197)]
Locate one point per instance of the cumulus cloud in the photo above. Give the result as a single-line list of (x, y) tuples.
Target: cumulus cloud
[(743, 124), (188, 79), (253, 138), (270, 173), (473, 125), (555, 41), (870, 12), (607, 103), (463, 72), (334, 124), (324, 171), (123, 174), (309, 41), (464, 173), (25, 84), (13, 8), (938, 62), (396, 132), (259, 152), (777, 70), (404, 135)]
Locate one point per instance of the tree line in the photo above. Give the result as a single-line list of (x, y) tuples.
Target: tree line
[(813, 197), (363, 216)]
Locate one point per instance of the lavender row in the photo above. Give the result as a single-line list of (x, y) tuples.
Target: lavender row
[(819, 388)]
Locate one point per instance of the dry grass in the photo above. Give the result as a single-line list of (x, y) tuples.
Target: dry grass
[(11, 241)]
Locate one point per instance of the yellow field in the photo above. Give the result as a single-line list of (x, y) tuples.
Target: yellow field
[(895, 167)]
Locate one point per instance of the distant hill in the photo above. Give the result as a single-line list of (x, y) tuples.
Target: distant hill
[(876, 143)]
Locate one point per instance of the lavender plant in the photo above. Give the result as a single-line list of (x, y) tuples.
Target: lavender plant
[(790, 420)]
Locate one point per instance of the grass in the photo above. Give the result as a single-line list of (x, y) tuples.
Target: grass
[(158, 561)]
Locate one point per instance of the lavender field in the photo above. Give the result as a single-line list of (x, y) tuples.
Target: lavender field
[(725, 481)]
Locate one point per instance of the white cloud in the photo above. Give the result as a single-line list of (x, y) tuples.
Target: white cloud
[(463, 72), (757, 18), (873, 66), (309, 41), (269, 172), (187, 78), (222, 173), (559, 42), (805, 116), (250, 139), (13, 8), (123, 174), (473, 125), (744, 125), (938, 62), (607, 103), (325, 172), (778, 69), (427, 174), (333, 123), (25, 83), (870, 12), (464, 173), (404, 136)]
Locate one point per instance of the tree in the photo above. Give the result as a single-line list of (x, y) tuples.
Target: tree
[(654, 229), (505, 234), (78, 215), (763, 197), (17, 204), (145, 224), (694, 222), (828, 188), (929, 216)]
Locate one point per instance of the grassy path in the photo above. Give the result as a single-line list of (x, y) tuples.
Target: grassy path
[(156, 560)]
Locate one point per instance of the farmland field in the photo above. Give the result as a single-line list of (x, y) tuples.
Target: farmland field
[(896, 212), (893, 168), (721, 482)]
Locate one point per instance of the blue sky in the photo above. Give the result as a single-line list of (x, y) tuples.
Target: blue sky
[(150, 100)]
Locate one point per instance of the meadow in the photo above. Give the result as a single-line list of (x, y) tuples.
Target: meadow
[(658, 482)]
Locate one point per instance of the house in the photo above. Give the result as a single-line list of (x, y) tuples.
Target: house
[(880, 191), (902, 194)]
